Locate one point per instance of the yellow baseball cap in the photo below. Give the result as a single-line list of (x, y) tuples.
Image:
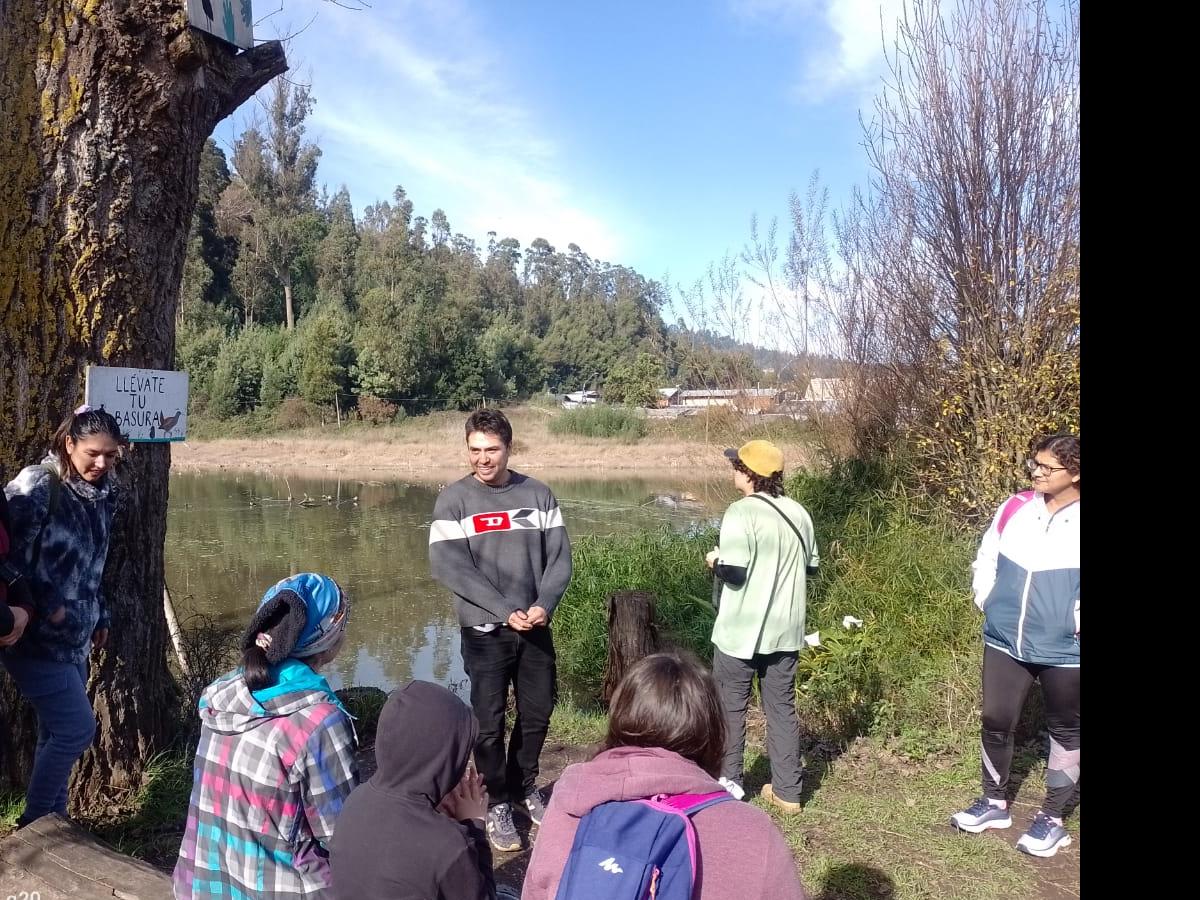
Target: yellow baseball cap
[(760, 457)]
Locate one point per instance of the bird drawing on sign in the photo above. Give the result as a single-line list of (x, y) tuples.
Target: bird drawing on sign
[(208, 12), (167, 425)]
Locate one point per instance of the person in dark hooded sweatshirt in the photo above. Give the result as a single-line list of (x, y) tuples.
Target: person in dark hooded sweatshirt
[(414, 831)]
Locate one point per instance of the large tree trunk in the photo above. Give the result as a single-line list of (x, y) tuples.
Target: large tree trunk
[(104, 108)]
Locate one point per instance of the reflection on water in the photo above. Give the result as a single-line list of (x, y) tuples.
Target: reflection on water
[(229, 537)]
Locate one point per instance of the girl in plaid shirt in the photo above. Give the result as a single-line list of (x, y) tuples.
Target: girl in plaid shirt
[(276, 757)]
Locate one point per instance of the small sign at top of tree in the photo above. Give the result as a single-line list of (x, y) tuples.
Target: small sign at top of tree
[(230, 20)]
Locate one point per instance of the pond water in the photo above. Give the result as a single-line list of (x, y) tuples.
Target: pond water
[(231, 536)]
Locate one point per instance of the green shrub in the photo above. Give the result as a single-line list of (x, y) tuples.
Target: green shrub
[(669, 565), (238, 373), (905, 571), (910, 673), (297, 413), (602, 422)]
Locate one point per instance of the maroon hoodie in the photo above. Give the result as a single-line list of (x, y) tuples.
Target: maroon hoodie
[(741, 852)]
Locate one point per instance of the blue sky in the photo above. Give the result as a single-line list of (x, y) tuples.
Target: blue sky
[(647, 133)]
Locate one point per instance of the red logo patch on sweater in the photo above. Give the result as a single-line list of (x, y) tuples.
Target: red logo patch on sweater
[(493, 521)]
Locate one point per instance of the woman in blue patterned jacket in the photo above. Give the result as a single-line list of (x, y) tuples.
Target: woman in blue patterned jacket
[(62, 512)]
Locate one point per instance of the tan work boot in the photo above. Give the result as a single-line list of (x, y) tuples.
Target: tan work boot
[(788, 806)]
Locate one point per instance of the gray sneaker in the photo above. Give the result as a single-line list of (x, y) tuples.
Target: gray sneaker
[(535, 805), (980, 816), (1044, 837), (500, 829)]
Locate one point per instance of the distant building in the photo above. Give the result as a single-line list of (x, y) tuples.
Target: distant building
[(667, 397), (580, 398), (745, 400), (825, 394)]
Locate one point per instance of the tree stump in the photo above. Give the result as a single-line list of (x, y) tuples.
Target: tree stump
[(632, 635)]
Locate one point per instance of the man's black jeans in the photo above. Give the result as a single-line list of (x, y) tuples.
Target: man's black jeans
[(494, 660)]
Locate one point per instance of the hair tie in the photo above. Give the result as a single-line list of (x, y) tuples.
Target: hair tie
[(83, 409), (264, 641)]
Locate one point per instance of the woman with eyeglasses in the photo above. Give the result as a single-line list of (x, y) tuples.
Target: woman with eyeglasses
[(1027, 584), (62, 512)]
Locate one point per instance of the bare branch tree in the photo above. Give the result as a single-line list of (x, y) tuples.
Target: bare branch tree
[(953, 291)]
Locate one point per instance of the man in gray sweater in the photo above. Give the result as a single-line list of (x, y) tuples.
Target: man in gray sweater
[(499, 544)]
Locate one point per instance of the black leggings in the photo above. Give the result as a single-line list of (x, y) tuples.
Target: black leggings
[(1006, 681)]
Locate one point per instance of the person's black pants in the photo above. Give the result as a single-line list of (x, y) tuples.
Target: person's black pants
[(524, 659), (1006, 682)]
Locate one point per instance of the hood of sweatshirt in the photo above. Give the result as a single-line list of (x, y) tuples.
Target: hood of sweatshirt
[(425, 737), (629, 773), (227, 706)]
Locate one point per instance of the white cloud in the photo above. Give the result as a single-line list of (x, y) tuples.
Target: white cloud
[(415, 93), (841, 41), (480, 191), (861, 28)]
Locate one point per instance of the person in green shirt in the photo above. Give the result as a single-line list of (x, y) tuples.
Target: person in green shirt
[(768, 550)]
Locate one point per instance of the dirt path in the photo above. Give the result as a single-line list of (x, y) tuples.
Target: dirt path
[(873, 828), (372, 457)]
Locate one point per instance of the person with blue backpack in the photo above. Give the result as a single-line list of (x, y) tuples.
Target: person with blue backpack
[(646, 817), (1027, 585)]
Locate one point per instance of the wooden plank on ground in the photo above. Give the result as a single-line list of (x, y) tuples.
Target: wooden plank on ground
[(62, 861)]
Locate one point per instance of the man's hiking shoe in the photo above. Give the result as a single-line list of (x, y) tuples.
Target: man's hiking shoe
[(535, 805), (980, 816), (500, 829), (1044, 837), (788, 806)]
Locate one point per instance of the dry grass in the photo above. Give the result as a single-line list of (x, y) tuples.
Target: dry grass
[(431, 447)]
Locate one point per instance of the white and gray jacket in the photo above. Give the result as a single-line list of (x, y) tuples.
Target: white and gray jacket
[(1027, 584)]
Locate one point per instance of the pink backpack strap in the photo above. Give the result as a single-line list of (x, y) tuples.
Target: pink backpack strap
[(686, 805), (1011, 505), (691, 803)]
